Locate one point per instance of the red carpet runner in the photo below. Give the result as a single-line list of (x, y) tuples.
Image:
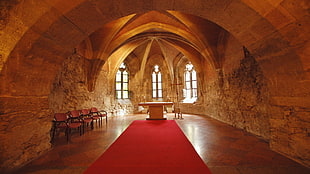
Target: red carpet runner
[(150, 147)]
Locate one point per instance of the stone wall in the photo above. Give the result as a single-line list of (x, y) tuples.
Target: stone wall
[(239, 98), (70, 89), (238, 95), (25, 124), (242, 100), (290, 132)]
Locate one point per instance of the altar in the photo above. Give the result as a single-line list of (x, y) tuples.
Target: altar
[(156, 109)]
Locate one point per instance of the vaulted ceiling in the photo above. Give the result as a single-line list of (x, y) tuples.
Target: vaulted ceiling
[(38, 35), (164, 33)]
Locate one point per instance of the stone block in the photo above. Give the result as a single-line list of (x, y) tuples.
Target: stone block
[(298, 9), (87, 17), (260, 29), (279, 17), (24, 131), (296, 32), (291, 101)]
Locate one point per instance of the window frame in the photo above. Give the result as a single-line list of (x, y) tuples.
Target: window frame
[(157, 85), (121, 82), (190, 91)]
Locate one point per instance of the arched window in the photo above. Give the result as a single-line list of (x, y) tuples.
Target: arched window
[(122, 83), (190, 78), (157, 83)]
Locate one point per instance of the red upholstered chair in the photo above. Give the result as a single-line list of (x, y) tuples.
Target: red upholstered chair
[(87, 112), (61, 121), (75, 116), (86, 117), (94, 111)]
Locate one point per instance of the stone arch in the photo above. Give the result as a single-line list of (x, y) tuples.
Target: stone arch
[(38, 41), (58, 29)]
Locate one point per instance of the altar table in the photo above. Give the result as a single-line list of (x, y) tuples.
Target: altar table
[(156, 109)]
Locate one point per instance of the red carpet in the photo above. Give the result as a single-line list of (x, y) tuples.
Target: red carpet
[(150, 147)]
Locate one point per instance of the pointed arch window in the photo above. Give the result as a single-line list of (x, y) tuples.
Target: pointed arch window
[(190, 78), (157, 90), (121, 83)]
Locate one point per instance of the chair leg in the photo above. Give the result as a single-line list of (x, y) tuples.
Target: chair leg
[(83, 127), (180, 115), (97, 122), (53, 133), (67, 134), (92, 124)]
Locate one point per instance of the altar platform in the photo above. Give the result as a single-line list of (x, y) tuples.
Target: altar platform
[(156, 109)]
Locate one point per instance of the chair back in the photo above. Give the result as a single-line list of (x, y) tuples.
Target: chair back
[(85, 111), (60, 117), (94, 110), (75, 113)]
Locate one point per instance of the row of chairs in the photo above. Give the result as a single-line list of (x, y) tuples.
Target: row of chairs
[(77, 119)]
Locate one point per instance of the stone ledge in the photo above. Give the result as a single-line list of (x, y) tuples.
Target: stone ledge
[(291, 101)]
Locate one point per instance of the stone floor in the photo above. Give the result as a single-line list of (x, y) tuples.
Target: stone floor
[(225, 150)]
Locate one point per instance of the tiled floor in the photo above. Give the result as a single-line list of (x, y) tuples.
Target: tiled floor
[(225, 150)]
